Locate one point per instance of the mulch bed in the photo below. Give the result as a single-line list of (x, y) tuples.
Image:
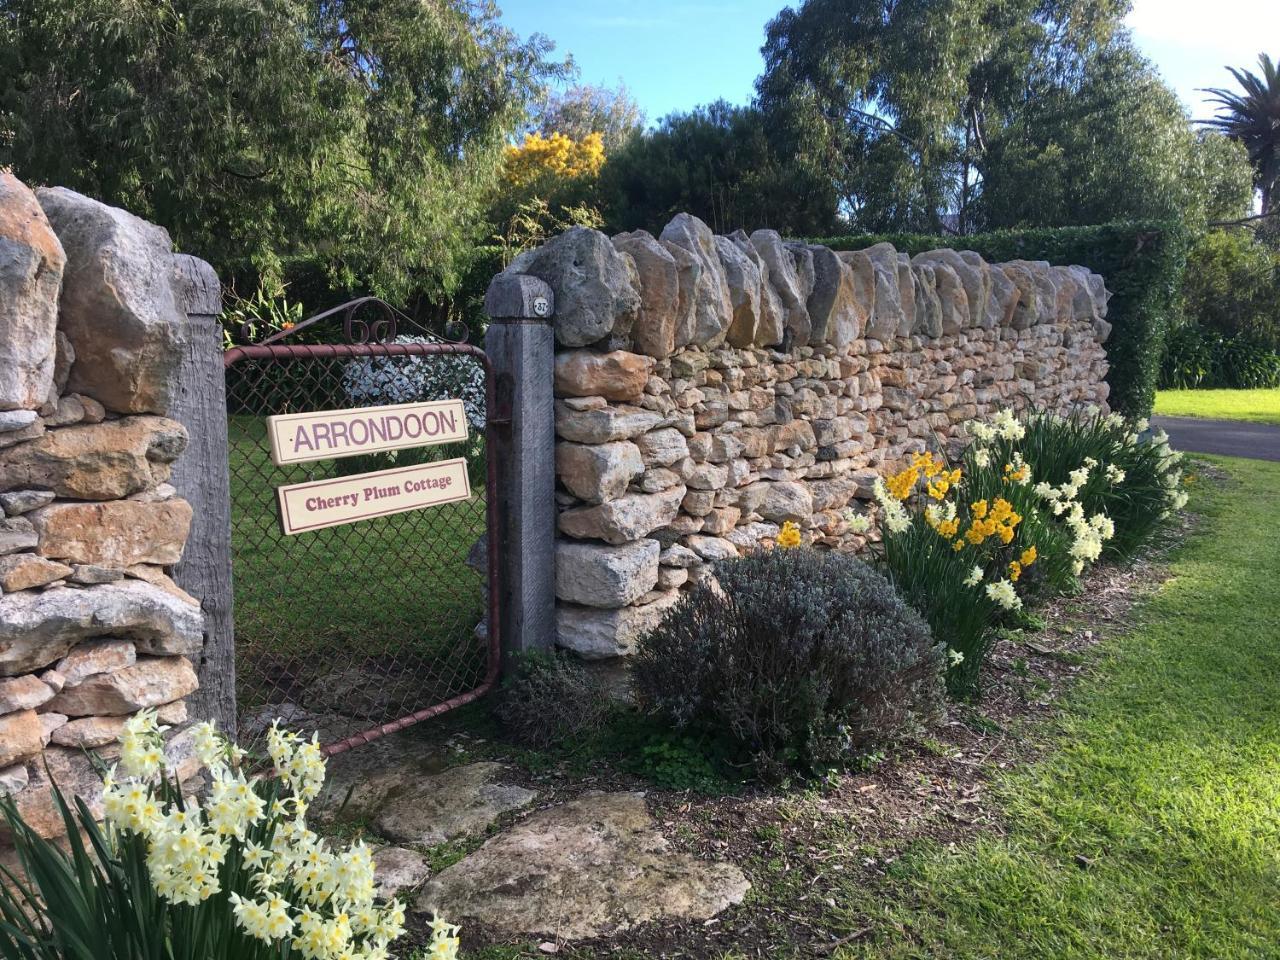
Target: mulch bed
[(800, 847)]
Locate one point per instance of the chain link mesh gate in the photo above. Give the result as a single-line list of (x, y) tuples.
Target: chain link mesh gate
[(364, 628)]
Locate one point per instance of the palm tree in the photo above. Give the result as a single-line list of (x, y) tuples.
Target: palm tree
[(1253, 118)]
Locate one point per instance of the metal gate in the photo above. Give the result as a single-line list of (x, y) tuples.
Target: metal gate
[(361, 629)]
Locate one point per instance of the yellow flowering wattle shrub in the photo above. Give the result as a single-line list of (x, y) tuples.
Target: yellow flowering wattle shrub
[(236, 873), (556, 157)]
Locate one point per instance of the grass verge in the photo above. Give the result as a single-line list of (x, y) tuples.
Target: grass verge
[(1255, 406), (1152, 829)]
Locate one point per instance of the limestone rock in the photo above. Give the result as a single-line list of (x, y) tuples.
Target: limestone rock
[(31, 267), (971, 273), (49, 722), (21, 737), (17, 533), (595, 296), (779, 501), (150, 682), (595, 575), (23, 571), (712, 309), (771, 325), (603, 425), (588, 868), (24, 501), (119, 307), (663, 447), (742, 276), (786, 284), (594, 634), (888, 316), (837, 315), (618, 375), (14, 420), (74, 774), (23, 693), (627, 518), (89, 573), (397, 870), (13, 779), (953, 301), (711, 548), (928, 304), (117, 533), (598, 472), (654, 331), (37, 629), (93, 657), (89, 732), (462, 801), (101, 461), (802, 256)]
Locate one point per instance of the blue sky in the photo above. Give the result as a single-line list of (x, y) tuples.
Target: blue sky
[(674, 54)]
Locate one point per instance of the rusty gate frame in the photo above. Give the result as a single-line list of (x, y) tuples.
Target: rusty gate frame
[(375, 339)]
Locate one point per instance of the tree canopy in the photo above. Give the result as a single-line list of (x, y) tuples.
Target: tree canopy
[(723, 164), (366, 133), (969, 114), (1252, 117), (583, 109)]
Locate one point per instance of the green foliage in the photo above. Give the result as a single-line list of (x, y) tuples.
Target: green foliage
[(803, 658), (675, 761), (721, 163), (1050, 168), (1197, 358), (1054, 446), (1001, 112), (363, 135), (1142, 264), (549, 700), (267, 311), (1231, 287)]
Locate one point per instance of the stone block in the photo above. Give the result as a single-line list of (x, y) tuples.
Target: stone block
[(595, 575)]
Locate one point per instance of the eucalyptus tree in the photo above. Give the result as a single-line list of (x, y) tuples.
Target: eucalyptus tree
[(964, 114), (363, 133)]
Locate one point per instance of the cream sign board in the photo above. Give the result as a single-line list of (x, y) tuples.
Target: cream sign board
[(329, 434), (329, 503)]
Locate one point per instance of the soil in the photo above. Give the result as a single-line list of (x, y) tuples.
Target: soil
[(800, 846)]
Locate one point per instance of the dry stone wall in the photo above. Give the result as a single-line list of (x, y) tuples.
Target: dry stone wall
[(711, 388), (92, 628)]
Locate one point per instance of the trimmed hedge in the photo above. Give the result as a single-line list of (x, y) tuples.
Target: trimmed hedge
[(1142, 263)]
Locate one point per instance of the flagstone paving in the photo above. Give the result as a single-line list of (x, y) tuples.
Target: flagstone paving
[(591, 867)]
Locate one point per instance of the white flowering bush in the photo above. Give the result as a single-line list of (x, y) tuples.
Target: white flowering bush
[(375, 381), (234, 874)]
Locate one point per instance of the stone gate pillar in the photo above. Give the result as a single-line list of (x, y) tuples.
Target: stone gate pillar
[(202, 478)]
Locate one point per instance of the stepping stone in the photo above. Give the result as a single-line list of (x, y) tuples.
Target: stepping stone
[(361, 780), (462, 801), (396, 869), (588, 868)]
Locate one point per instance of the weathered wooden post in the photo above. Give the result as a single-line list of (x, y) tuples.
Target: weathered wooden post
[(201, 476), (520, 344)]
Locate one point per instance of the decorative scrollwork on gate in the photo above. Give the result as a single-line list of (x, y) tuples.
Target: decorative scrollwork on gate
[(365, 320)]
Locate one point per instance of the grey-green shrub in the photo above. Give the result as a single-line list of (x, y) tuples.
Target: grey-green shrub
[(803, 657), (550, 700)]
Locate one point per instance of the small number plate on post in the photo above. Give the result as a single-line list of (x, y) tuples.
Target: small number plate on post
[(329, 434), (329, 503)]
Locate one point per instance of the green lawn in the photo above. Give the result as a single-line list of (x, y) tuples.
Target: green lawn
[(1152, 829), (1258, 406), (391, 596)]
